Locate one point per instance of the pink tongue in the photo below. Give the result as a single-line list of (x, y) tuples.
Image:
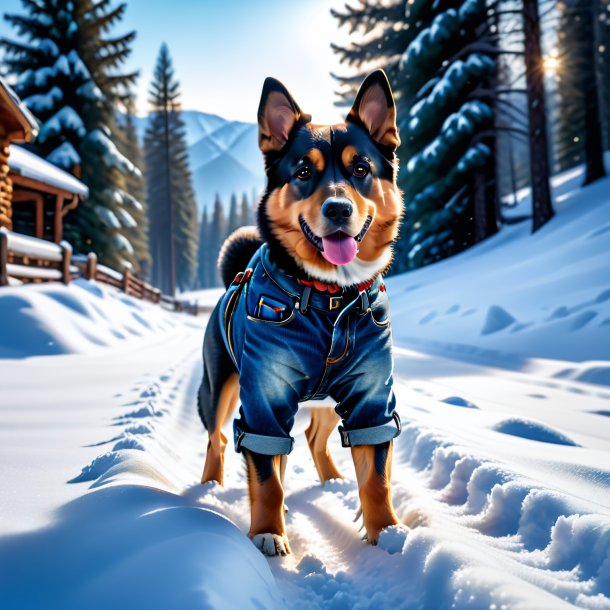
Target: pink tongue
[(339, 248)]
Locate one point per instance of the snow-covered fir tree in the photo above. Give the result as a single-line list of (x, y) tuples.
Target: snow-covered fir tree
[(134, 213), (172, 209), (441, 65), (66, 69)]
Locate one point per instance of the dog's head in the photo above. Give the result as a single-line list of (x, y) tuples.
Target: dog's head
[(331, 207)]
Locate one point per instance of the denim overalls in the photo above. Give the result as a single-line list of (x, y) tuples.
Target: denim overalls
[(291, 343)]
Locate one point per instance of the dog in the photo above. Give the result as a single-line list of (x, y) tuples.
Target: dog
[(305, 314)]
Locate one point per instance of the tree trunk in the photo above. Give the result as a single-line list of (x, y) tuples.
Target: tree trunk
[(542, 208), (594, 148), (485, 208)]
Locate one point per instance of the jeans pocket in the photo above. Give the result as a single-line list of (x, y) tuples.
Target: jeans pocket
[(270, 310)]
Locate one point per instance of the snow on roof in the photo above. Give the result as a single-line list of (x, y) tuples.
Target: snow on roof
[(27, 120), (29, 165)]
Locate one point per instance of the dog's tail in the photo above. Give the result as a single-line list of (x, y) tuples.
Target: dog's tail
[(236, 252)]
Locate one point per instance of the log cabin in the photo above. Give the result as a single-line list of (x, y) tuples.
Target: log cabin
[(35, 195)]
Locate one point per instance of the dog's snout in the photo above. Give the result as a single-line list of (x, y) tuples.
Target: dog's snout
[(337, 209)]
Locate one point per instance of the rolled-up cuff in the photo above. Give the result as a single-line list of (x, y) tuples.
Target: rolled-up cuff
[(260, 443), (374, 435)]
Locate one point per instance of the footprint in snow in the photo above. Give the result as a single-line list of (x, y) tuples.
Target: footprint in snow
[(146, 411), (151, 391)]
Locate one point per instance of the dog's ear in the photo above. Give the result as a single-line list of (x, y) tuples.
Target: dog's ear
[(278, 113), (374, 109)]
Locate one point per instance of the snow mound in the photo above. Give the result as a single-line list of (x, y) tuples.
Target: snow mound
[(533, 431), (496, 319), (83, 317), (458, 401)]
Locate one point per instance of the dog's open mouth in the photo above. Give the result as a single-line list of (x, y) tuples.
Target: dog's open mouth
[(339, 248)]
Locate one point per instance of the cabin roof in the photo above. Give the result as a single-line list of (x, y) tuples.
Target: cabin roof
[(27, 164), (18, 122)]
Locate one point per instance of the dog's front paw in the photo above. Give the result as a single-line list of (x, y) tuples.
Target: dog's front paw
[(271, 544), (392, 539)]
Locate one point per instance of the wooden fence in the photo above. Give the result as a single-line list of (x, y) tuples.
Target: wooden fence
[(27, 259)]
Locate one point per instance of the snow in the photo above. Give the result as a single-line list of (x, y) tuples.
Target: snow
[(122, 243), (65, 119), (108, 217), (43, 102), (127, 220), (29, 165), (500, 476), (111, 156), (64, 156), (545, 295)]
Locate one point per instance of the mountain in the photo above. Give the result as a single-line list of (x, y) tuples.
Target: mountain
[(223, 156)]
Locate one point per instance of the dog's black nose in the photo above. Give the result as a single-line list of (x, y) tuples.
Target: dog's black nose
[(337, 209)]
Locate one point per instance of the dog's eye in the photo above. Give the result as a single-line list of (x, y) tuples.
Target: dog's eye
[(304, 173), (361, 169)]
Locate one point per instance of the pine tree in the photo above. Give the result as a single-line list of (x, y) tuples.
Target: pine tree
[(246, 217), (171, 200), (217, 234), (233, 222), (133, 212), (203, 267), (67, 72), (441, 63)]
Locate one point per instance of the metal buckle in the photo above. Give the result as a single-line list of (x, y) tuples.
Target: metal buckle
[(238, 440), (345, 442), (335, 303)]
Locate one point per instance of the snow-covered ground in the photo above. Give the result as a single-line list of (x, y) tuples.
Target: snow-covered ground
[(502, 471)]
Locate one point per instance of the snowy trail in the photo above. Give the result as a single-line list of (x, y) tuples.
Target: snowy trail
[(501, 502), (503, 476)]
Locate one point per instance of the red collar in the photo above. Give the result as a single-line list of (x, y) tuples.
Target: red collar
[(334, 288)]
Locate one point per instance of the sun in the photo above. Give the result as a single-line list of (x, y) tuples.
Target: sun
[(551, 63)]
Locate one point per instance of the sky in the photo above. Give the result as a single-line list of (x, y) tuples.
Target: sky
[(223, 50)]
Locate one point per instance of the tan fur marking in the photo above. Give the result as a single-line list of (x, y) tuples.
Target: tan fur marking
[(384, 229), (348, 155), (323, 421), (215, 455), (283, 209), (266, 500), (316, 158), (374, 491)]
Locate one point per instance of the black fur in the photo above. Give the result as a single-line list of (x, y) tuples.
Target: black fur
[(263, 464), (217, 368), (237, 251)]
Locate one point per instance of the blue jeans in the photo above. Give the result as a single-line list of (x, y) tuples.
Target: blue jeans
[(291, 344)]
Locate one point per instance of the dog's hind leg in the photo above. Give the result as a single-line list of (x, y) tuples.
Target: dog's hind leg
[(323, 421), (217, 396), (373, 465), (214, 459), (267, 522)]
